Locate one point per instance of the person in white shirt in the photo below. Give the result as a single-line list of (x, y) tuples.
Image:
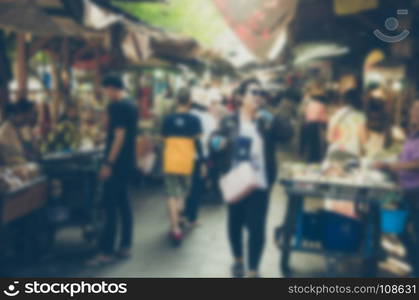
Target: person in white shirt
[(249, 136), (347, 127)]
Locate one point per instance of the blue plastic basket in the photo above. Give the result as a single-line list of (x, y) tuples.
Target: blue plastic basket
[(341, 233), (393, 221), (309, 227)]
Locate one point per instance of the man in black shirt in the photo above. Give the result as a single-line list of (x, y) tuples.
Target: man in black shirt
[(118, 165)]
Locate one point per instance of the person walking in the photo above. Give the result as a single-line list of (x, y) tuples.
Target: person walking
[(181, 132), (248, 136), (200, 173), (118, 164)]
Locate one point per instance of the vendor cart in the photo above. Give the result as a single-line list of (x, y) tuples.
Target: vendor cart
[(74, 189), (23, 227), (368, 200)]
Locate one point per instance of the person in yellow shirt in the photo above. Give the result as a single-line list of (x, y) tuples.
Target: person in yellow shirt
[(181, 131)]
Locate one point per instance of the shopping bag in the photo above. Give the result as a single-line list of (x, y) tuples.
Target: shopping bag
[(144, 145), (238, 183), (146, 163)]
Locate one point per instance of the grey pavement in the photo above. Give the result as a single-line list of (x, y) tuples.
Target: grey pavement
[(204, 253)]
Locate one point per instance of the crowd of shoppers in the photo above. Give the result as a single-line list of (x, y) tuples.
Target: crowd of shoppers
[(209, 137)]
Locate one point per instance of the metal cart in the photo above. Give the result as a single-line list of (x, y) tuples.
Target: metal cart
[(24, 230), (77, 202), (367, 199)]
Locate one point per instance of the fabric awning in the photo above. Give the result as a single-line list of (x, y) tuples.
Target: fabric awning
[(28, 16)]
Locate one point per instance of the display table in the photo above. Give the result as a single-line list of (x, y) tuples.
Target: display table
[(77, 176), (25, 230), (17, 203), (369, 196), (72, 157)]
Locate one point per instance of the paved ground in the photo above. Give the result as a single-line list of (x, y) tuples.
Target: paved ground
[(205, 252)]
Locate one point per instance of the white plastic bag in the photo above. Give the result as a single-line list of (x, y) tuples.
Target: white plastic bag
[(147, 162), (238, 183)]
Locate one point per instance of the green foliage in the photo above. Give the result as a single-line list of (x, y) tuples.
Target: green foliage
[(199, 19)]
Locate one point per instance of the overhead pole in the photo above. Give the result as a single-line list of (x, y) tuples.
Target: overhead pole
[(22, 67), (5, 74)]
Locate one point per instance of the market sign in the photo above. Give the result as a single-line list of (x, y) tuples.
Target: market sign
[(259, 24)]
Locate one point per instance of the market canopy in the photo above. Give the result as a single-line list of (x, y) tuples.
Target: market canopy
[(137, 41), (202, 20), (41, 18)]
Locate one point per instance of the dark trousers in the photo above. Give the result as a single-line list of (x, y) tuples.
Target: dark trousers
[(193, 200), (251, 213), (215, 163), (312, 142), (410, 237), (117, 212)]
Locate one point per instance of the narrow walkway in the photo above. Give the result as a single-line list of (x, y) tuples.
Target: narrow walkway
[(204, 253)]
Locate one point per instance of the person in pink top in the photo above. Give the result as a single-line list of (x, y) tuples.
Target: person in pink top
[(313, 142)]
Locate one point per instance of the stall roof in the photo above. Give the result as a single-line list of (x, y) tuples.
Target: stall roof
[(142, 43), (58, 18), (109, 5)]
